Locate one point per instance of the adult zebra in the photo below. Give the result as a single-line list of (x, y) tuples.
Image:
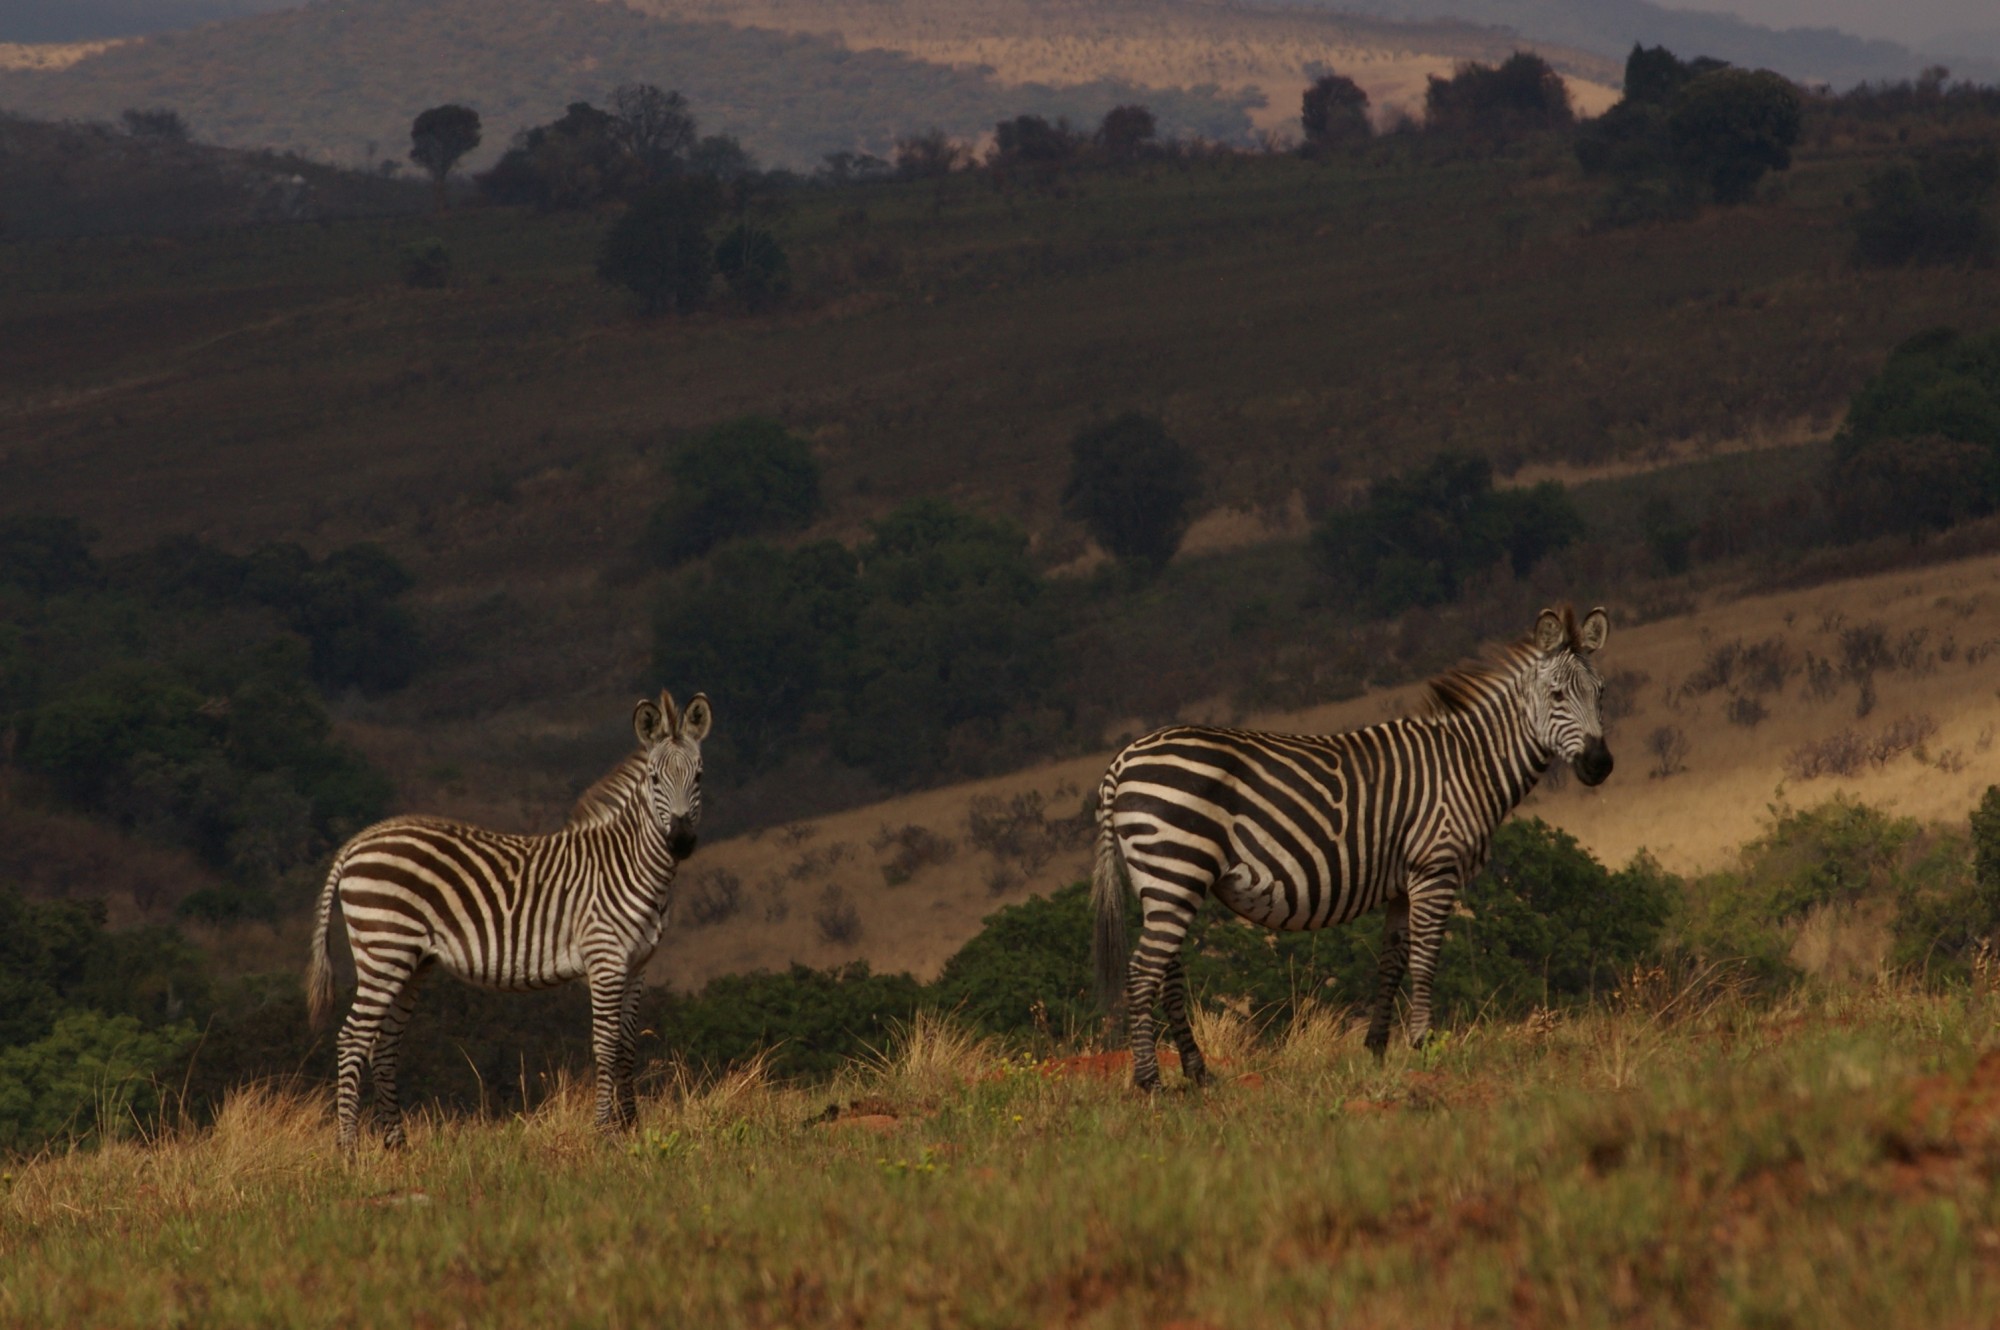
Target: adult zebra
[(1302, 831), (515, 912)]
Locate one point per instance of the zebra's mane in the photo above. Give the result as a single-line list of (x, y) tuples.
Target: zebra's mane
[(604, 800), (1463, 689)]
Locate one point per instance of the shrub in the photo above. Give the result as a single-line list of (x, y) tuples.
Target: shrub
[(1419, 536), (754, 265), (425, 263), (91, 1073), (1125, 132), (1932, 209), (1027, 970), (1943, 919), (913, 848), (711, 897), (810, 1022), (660, 250), (1730, 126), (836, 918), (1921, 445), (748, 477), (1131, 483)]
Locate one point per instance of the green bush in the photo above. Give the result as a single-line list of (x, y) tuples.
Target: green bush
[(1521, 95), (811, 1021), (92, 1074), (1131, 483), (932, 630), (1730, 126), (425, 264), (1944, 919), (1932, 209), (1921, 445), (1420, 535), (749, 477), (660, 250), (1838, 853), (1027, 971)]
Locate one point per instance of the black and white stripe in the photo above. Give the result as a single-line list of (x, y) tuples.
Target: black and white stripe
[(515, 912), (1297, 831)]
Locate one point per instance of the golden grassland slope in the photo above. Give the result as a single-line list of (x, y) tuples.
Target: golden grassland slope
[(1677, 1157), (1170, 43), (1926, 749), (48, 55)]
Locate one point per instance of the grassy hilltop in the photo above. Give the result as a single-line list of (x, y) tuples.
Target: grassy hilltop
[(1672, 1159)]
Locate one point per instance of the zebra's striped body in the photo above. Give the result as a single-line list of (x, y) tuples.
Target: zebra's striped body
[(1304, 831), (514, 912)]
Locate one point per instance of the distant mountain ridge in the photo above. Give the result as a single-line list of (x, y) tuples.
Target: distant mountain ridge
[(96, 20), (345, 80), (1609, 27)]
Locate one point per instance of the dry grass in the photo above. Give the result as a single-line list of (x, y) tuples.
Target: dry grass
[(1676, 1156)]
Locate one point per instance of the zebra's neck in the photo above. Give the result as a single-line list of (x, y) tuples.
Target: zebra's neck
[(626, 833), (1500, 751)]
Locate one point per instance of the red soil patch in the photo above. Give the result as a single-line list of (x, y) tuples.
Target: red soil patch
[(1948, 1120), (1104, 1066)]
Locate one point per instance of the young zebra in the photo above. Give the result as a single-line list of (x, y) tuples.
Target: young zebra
[(515, 912), (1302, 831)]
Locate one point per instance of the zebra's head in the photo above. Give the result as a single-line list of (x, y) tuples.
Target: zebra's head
[(1564, 691), (673, 765)]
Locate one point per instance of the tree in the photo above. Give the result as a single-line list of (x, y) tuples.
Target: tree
[(660, 250), (748, 477), (656, 129), (1921, 446), (929, 154), (439, 137), (1931, 209), (1420, 535), (1730, 126), (1334, 110), (1125, 131), (1131, 483), (575, 161), (1523, 95), (1029, 140)]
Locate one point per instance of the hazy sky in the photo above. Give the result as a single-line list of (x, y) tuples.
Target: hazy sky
[(1912, 22)]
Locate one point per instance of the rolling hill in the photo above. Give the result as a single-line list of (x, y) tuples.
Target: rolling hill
[(345, 80)]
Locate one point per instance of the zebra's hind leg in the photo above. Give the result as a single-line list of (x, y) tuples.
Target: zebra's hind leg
[(1174, 997), (611, 1045), (1389, 967), (382, 1064), (379, 979), (1160, 937)]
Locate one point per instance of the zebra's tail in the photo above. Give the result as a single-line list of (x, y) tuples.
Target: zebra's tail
[(1107, 900), (319, 974)]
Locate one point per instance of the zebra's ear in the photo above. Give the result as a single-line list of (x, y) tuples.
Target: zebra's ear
[(650, 723), (1551, 633), (695, 720), (1596, 627)]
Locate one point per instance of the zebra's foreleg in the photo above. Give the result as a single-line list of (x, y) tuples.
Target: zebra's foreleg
[(382, 1062), (628, 1034), (1389, 967), (1429, 909), (608, 1045), (1174, 997)]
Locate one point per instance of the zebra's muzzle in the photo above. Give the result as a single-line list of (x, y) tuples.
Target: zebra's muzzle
[(681, 843), (1593, 764)]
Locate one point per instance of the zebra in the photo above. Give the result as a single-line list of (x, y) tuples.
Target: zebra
[(1303, 831), (514, 913)]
